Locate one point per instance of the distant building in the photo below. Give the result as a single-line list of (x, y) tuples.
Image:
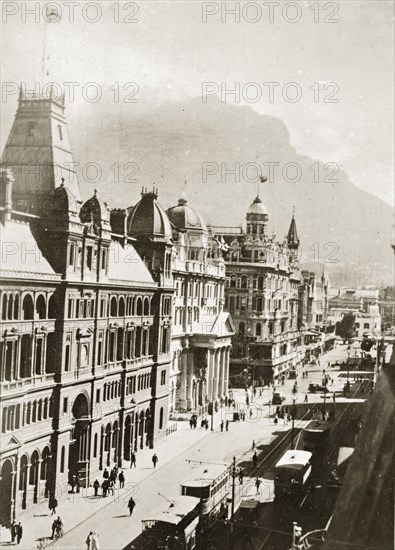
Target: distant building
[(363, 304), (262, 295), (387, 307)]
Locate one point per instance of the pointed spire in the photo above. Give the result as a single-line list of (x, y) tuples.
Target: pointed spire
[(293, 239)]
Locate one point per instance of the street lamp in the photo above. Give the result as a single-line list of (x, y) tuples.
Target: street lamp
[(233, 472), (294, 398)]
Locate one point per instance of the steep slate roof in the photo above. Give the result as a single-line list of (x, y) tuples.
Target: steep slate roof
[(20, 255), (125, 265)]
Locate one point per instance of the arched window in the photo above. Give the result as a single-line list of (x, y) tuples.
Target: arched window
[(4, 307), (27, 307), (52, 307), (28, 413), (258, 329), (41, 307), (34, 411), (139, 306), (113, 307), (121, 307), (105, 392), (146, 306), (161, 418), (244, 281), (95, 446), (260, 282), (40, 410), (16, 307), (10, 306), (62, 456), (233, 281)]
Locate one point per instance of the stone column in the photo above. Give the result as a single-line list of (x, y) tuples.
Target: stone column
[(221, 371), (209, 375), (216, 373), (226, 368), (189, 371), (182, 362)]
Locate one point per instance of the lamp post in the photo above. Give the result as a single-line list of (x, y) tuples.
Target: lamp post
[(348, 362), (294, 398), (212, 406), (233, 485)]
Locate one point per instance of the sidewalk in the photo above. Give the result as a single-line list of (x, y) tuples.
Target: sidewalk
[(83, 512)]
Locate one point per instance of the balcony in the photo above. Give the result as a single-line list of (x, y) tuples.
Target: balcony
[(24, 384)]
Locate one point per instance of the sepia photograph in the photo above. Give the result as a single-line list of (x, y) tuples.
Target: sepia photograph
[(197, 275)]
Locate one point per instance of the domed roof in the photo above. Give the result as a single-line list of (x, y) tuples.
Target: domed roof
[(65, 200), (184, 217), (94, 210), (148, 218), (257, 207)]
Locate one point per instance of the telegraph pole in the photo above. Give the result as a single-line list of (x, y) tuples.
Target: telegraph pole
[(233, 485)]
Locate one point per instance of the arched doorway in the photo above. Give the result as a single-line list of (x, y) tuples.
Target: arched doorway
[(45, 472), (107, 443), (80, 443), (6, 493), (141, 430), (23, 465), (136, 431), (128, 438), (34, 474)]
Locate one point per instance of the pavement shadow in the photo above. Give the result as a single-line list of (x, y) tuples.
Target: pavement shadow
[(121, 516), (41, 515)]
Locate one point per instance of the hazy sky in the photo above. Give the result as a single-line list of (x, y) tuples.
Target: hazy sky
[(170, 52)]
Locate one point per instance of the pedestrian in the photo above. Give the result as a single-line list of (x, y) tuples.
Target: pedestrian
[(275, 420), (88, 541), (306, 398), (131, 505), (111, 486), (191, 422), (77, 483), (133, 459), (54, 527), (106, 475), (258, 483), (253, 444), (251, 412), (241, 476), (227, 425), (72, 483), (13, 530), (247, 400), (52, 504), (121, 478), (254, 391), (154, 460), (222, 426), (96, 486), (104, 488), (260, 392), (95, 541), (19, 532), (255, 459), (206, 424)]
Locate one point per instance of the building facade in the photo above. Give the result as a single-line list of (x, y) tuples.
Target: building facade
[(87, 305), (262, 295)]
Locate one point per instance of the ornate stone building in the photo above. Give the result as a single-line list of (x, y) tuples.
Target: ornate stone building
[(87, 347), (263, 280)]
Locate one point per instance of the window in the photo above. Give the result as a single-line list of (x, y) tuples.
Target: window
[(89, 256), (71, 254), (366, 325), (163, 378), (39, 353), (62, 453), (258, 329), (103, 259), (67, 355), (98, 395), (161, 418), (60, 132), (65, 404), (95, 446)]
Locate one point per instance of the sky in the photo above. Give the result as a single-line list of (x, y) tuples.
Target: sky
[(338, 55)]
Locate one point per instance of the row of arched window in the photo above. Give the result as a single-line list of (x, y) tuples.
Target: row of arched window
[(111, 390), (130, 306), (14, 417), (38, 308)]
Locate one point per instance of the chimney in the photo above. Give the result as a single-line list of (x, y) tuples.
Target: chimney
[(7, 179)]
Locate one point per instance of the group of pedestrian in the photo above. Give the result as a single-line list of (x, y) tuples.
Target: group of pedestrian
[(74, 482), (92, 541), (193, 421), (224, 425), (204, 422), (16, 531)]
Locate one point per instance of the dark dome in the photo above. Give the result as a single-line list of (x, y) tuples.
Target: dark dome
[(148, 218), (184, 217), (94, 210)]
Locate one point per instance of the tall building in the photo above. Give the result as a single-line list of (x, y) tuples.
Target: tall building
[(262, 295), (87, 305)]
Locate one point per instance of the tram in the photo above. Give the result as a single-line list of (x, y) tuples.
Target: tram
[(211, 484), (173, 528), (315, 434), (292, 473)]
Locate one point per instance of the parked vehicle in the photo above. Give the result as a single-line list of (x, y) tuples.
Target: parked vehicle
[(314, 388), (278, 398)]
